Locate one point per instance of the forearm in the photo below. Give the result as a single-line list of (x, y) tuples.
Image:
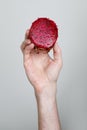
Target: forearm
[(48, 118), (43, 72)]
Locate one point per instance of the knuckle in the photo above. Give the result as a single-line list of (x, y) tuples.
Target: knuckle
[(21, 46)]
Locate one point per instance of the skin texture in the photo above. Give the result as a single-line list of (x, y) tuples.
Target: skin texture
[(42, 71)]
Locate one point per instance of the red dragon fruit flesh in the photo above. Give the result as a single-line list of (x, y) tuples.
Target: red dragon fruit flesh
[(43, 33)]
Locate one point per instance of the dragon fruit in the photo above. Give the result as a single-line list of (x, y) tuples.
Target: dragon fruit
[(43, 33)]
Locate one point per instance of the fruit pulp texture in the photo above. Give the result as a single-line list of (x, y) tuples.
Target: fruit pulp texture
[(43, 33)]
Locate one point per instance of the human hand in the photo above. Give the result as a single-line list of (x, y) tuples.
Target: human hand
[(42, 71)]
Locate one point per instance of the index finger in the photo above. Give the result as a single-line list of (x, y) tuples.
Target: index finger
[(27, 34)]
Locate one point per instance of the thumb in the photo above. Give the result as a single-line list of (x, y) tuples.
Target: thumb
[(57, 54)]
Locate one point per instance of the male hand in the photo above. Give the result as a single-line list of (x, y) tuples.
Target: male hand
[(41, 70)]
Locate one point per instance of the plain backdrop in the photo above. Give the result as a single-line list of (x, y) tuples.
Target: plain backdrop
[(18, 110)]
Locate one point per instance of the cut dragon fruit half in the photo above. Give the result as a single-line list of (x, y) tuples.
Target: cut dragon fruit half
[(43, 33)]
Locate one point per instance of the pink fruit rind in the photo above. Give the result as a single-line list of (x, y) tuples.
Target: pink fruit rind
[(43, 33)]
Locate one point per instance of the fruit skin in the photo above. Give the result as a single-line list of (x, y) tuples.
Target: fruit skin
[(43, 33)]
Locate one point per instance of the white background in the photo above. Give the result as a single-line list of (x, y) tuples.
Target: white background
[(18, 109)]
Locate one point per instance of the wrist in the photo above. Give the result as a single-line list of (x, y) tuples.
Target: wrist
[(47, 92)]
